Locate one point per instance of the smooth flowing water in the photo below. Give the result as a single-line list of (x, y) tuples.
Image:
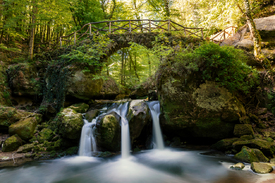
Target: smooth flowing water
[(157, 135), (87, 143)]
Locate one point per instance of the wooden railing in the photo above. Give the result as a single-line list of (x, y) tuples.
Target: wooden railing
[(221, 36), (129, 26)]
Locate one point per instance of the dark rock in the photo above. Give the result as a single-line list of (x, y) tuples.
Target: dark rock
[(245, 120), (262, 111), (175, 142), (224, 144), (110, 89), (251, 155), (243, 129), (90, 115)]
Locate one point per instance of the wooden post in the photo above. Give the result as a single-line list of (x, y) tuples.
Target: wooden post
[(150, 26), (130, 26), (202, 33), (110, 27), (74, 38), (169, 26), (224, 34), (60, 42), (90, 27)]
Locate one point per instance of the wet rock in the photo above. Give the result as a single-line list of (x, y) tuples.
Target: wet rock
[(108, 132), (251, 155), (224, 144), (70, 123), (243, 129), (12, 143), (25, 148), (90, 115), (80, 108), (25, 127), (238, 166), (138, 116), (261, 168)]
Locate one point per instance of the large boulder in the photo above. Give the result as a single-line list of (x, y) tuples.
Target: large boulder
[(263, 145), (251, 155), (90, 115), (83, 85), (194, 110), (108, 132), (243, 129), (266, 26), (224, 144), (138, 116), (71, 123), (23, 79), (261, 168), (110, 89), (12, 143), (25, 127)]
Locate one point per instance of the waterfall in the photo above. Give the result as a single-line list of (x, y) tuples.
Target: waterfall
[(157, 135), (87, 140), (125, 133)]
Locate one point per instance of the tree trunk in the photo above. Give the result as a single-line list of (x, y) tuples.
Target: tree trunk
[(31, 44), (254, 33)]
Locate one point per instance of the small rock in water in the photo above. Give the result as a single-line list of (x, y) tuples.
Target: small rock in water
[(261, 168), (272, 161), (238, 166)]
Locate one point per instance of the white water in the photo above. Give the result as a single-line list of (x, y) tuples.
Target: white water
[(157, 135), (125, 133), (87, 140)]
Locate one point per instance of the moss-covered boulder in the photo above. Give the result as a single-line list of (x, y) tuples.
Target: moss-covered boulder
[(194, 110), (110, 89), (261, 168), (224, 144), (82, 85), (12, 143), (90, 115), (251, 155), (71, 123), (263, 145), (10, 115), (138, 117), (80, 108), (23, 79), (25, 127), (108, 132), (25, 148), (243, 129), (45, 134)]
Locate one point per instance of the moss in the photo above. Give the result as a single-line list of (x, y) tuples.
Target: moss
[(46, 134), (25, 148), (251, 155), (80, 108), (72, 150), (12, 143), (243, 129)]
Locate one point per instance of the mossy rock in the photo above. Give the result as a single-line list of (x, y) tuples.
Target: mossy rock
[(261, 168), (246, 137), (72, 150), (224, 144), (263, 145), (251, 155), (243, 129), (25, 148), (71, 123), (12, 143), (80, 108), (25, 128), (245, 120), (108, 134), (45, 134)]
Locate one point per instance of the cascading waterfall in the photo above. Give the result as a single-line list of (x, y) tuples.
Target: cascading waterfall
[(157, 135), (125, 133), (87, 140)]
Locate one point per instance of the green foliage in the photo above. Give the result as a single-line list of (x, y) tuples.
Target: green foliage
[(224, 65)]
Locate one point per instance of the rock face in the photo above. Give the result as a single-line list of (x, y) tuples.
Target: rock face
[(83, 85), (12, 143), (194, 110), (24, 79), (261, 168), (243, 129), (108, 132), (70, 123), (109, 89), (251, 155), (25, 127), (266, 26), (138, 116)]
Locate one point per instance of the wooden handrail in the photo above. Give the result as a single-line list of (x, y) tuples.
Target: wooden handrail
[(130, 26)]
